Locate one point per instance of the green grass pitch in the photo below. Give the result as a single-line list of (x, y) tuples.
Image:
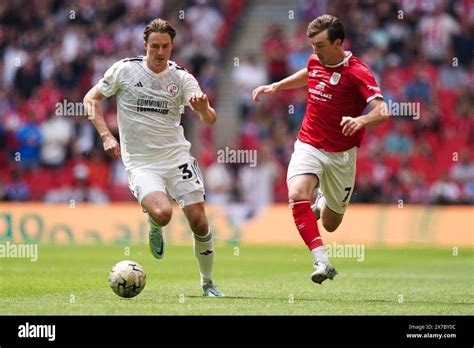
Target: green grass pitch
[(258, 280)]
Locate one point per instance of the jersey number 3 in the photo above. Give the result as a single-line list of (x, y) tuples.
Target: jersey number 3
[(187, 174)]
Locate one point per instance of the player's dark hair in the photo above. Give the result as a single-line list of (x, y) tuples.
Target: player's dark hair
[(332, 24), (159, 25)]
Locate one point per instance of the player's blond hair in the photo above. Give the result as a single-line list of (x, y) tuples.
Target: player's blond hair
[(332, 24), (159, 25)]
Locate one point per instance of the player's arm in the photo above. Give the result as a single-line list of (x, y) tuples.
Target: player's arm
[(377, 115), (297, 80), (201, 106), (94, 111)]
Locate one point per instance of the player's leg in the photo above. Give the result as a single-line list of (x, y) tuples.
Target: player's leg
[(336, 188), (158, 207), (300, 188), (149, 189), (304, 170), (188, 191), (203, 242), (159, 210), (330, 219)]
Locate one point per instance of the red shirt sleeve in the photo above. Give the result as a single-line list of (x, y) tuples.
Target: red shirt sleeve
[(366, 84)]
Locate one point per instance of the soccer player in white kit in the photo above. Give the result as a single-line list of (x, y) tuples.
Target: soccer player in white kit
[(151, 92)]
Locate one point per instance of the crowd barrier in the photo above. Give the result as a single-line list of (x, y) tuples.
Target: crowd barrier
[(126, 224)]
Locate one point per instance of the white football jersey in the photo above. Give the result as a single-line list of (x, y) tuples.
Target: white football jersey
[(148, 111)]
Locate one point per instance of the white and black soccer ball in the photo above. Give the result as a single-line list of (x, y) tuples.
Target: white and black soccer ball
[(127, 279)]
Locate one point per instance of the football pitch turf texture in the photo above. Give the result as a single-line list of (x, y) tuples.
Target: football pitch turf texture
[(257, 280)]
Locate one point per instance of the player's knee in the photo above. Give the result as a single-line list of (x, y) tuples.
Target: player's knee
[(297, 194), (161, 216), (199, 225)]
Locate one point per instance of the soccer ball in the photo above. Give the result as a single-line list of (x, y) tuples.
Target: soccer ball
[(127, 279)]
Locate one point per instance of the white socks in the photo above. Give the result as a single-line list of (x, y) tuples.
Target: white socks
[(319, 254), (203, 247)]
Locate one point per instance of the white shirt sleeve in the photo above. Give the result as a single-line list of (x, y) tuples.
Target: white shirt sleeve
[(110, 83), (190, 87)]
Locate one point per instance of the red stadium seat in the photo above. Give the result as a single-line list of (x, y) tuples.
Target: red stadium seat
[(40, 181)]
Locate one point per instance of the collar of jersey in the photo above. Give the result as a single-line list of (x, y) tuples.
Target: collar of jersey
[(344, 60), (154, 73)]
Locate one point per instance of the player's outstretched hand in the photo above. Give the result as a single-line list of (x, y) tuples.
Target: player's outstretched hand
[(199, 102), (267, 89), (111, 146), (350, 125)]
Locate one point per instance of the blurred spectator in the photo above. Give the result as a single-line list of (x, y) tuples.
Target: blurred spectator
[(85, 134), (393, 191), (463, 43), (30, 139), (378, 176), (436, 30), (208, 81), (248, 74), (444, 191), (309, 9), (463, 171), (17, 190), (257, 183), (275, 50), (57, 134), (299, 48), (419, 90), (27, 78), (396, 141), (198, 53), (118, 175), (419, 192), (13, 59), (65, 77), (468, 192), (451, 76), (84, 190), (465, 103), (364, 192), (219, 184), (398, 33), (205, 22), (81, 191)]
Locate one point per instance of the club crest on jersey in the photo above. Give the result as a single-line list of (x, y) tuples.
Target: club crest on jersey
[(172, 88), (335, 78)]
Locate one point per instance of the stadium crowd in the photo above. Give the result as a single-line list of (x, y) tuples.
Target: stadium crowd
[(420, 51), (421, 55), (51, 52)]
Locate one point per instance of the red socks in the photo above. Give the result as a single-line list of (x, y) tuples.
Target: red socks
[(306, 223)]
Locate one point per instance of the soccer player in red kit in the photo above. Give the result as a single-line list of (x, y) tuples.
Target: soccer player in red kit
[(339, 88)]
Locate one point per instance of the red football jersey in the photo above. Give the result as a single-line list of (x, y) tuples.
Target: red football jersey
[(335, 91)]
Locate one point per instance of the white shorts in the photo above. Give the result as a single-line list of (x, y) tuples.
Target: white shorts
[(184, 183), (335, 172)]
